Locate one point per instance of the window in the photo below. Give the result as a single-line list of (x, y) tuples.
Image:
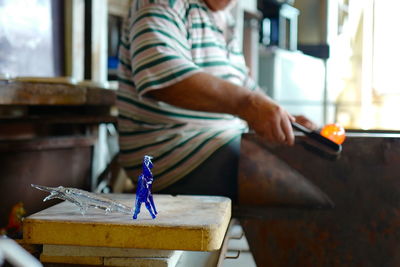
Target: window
[(363, 66)]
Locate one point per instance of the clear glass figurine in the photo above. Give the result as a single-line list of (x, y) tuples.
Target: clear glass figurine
[(84, 199)]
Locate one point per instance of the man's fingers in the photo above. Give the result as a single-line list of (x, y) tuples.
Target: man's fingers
[(288, 130), (280, 132), (277, 132)]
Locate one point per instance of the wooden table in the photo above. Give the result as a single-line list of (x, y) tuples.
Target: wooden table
[(191, 223)]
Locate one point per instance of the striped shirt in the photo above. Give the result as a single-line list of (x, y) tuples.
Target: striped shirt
[(164, 42)]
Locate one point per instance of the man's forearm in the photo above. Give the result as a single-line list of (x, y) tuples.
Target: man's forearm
[(205, 92)]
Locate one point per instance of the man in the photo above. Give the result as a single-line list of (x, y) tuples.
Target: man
[(185, 97)]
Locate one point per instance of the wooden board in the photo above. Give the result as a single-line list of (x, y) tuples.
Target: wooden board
[(168, 261), (154, 262), (80, 251), (52, 92), (195, 223)]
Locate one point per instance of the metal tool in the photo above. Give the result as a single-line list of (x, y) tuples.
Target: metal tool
[(318, 142)]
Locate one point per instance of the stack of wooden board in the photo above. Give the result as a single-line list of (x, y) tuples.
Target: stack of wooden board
[(105, 256), (195, 223)]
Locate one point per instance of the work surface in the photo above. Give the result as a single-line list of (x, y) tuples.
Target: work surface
[(194, 223)]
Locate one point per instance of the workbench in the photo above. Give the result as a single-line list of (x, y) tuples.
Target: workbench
[(188, 229)]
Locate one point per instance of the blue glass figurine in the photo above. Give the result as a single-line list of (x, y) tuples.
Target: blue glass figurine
[(143, 190)]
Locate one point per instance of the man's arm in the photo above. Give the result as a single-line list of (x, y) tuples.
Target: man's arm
[(205, 92)]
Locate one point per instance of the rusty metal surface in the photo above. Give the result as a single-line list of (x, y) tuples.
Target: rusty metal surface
[(363, 229), (267, 180)]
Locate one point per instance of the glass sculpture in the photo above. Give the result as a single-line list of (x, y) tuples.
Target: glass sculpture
[(143, 190), (84, 199)]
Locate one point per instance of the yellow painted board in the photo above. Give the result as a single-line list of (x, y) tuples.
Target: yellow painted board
[(195, 223)]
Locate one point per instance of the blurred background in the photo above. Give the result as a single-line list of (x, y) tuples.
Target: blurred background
[(333, 60)]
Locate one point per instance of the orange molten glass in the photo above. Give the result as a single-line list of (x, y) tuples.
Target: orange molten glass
[(334, 132)]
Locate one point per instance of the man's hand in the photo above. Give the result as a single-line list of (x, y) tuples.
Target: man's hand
[(267, 118)]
